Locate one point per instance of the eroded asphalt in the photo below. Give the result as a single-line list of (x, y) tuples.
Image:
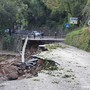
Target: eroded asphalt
[(73, 72)]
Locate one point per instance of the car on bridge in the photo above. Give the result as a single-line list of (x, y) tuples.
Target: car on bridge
[(35, 33)]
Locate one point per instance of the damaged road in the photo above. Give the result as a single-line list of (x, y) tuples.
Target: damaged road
[(73, 73)]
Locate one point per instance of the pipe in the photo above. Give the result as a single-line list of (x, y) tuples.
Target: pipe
[(23, 49)]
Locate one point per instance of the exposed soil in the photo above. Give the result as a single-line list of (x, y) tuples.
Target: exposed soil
[(11, 67), (73, 72)]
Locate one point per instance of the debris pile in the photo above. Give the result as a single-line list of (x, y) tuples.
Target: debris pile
[(13, 69)]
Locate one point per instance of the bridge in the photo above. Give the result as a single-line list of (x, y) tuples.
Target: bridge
[(20, 39), (45, 38)]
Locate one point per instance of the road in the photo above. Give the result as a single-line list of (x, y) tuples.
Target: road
[(73, 72), (45, 38)]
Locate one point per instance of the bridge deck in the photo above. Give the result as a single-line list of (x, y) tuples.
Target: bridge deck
[(45, 38)]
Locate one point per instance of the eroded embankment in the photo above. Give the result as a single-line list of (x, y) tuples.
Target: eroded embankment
[(12, 69)]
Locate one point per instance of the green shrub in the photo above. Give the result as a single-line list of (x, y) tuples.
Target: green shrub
[(79, 38)]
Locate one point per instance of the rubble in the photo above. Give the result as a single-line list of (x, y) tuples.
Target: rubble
[(13, 69)]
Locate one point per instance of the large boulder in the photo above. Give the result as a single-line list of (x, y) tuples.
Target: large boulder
[(11, 72), (12, 76)]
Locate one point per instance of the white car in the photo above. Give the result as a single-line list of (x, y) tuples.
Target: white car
[(36, 33)]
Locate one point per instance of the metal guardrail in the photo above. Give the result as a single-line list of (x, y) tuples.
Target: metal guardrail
[(30, 36)]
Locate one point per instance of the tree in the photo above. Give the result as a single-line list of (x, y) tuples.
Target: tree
[(86, 11), (8, 12), (38, 13)]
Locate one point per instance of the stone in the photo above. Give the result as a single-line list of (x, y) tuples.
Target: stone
[(10, 69), (12, 76)]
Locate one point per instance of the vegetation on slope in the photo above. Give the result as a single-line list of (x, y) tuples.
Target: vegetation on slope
[(79, 38)]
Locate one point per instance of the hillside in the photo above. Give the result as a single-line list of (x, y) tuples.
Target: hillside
[(79, 38)]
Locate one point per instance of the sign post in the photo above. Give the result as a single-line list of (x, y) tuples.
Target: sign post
[(73, 20), (67, 25)]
